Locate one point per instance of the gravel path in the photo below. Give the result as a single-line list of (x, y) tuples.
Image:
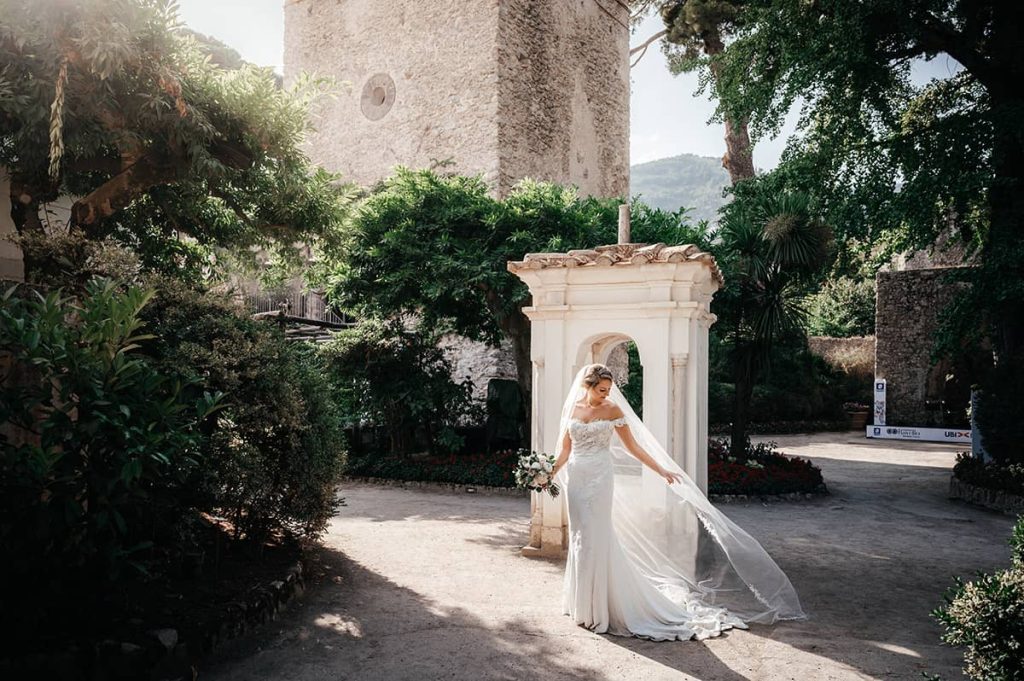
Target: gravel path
[(423, 584)]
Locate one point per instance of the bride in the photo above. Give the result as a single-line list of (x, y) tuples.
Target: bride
[(649, 555)]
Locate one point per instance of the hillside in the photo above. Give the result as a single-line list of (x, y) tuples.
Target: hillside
[(685, 180)]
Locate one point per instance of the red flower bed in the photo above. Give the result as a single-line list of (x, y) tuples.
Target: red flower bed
[(762, 471)]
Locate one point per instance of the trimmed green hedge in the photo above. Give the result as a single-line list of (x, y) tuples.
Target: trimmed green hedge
[(495, 469)]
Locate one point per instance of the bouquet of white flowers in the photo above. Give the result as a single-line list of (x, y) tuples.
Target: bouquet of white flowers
[(534, 472)]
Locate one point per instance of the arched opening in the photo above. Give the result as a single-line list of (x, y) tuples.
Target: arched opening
[(621, 354)]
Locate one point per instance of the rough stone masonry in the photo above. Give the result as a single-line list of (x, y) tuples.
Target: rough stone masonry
[(503, 88)]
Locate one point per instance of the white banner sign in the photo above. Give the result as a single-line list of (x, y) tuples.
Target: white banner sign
[(922, 434), (879, 402)]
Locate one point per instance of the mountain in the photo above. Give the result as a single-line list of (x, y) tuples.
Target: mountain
[(685, 180)]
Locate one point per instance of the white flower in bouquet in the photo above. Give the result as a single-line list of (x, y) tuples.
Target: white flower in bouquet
[(533, 472)]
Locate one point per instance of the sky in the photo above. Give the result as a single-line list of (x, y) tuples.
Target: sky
[(667, 118)]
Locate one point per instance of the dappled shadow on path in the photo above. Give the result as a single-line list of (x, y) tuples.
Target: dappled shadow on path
[(357, 624), (869, 562)]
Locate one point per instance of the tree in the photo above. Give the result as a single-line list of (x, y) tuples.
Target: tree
[(154, 139), (695, 35), (393, 379), (843, 307), (436, 247), (772, 250), (897, 162)]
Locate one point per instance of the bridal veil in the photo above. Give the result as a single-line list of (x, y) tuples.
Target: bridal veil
[(677, 538)]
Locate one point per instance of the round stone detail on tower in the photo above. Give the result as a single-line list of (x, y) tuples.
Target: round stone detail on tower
[(378, 96)]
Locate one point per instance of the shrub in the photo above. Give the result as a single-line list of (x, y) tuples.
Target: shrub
[(795, 385), (986, 616), (99, 449), (843, 307), (398, 380), (276, 453), (765, 471), (991, 474)]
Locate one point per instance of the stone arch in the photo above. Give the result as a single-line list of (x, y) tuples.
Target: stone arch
[(598, 348)]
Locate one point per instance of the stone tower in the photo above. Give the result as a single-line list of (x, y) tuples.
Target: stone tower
[(503, 88)]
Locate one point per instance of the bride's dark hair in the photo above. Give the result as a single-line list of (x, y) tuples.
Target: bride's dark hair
[(597, 373)]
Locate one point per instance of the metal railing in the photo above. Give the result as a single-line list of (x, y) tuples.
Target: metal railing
[(306, 306)]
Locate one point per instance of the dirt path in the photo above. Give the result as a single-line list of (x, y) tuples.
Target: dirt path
[(430, 585)]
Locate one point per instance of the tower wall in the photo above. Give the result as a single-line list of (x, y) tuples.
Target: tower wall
[(563, 103), (503, 88), (439, 56)]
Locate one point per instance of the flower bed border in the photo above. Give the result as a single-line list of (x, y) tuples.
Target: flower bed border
[(993, 499), (516, 492), (787, 496), (166, 657)]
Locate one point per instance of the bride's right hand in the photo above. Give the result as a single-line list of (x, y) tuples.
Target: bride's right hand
[(670, 476)]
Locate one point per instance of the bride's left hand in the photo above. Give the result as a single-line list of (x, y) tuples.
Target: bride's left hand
[(670, 476)]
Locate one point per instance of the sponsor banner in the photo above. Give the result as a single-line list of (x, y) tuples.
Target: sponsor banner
[(922, 434), (879, 415)]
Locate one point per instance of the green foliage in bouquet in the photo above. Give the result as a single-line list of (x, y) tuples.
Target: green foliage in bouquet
[(533, 472)]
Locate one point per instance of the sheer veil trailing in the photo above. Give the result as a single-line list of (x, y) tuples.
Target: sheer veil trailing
[(677, 538)]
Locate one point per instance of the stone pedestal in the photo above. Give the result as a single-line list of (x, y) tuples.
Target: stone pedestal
[(588, 302)]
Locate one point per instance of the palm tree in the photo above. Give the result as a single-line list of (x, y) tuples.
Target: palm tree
[(772, 249)]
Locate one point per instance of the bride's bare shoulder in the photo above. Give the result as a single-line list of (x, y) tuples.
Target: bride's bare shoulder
[(616, 412)]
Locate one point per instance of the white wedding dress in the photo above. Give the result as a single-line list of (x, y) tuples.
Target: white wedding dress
[(602, 589), (650, 559)]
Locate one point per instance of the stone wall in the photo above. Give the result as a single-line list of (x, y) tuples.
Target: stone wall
[(563, 93), (479, 362), (436, 96), (909, 306), (502, 88)]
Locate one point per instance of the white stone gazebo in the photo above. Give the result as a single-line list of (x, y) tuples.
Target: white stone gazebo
[(587, 302)]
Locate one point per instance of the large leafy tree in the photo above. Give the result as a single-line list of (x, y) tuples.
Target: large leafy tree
[(897, 162), (435, 247), (114, 103)]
